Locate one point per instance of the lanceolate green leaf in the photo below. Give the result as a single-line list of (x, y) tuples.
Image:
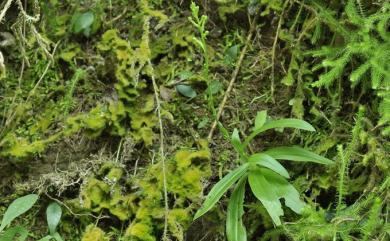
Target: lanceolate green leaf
[(220, 188), (265, 160), (295, 153), (264, 191), (17, 208), (236, 142), (283, 123), (53, 216), (235, 229)]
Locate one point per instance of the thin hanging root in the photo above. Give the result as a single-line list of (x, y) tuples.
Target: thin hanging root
[(162, 154), (233, 79), (2, 66)]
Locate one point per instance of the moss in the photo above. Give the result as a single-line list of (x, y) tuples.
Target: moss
[(140, 231), (184, 174), (93, 233), (131, 65), (107, 194)]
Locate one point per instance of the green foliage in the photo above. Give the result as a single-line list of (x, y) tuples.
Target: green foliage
[(200, 23), (139, 200), (53, 217), (184, 181), (68, 102), (105, 193), (366, 46), (131, 69), (265, 175), (82, 23), (186, 90), (353, 222), (17, 208), (343, 221), (76, 81), (20, 206)]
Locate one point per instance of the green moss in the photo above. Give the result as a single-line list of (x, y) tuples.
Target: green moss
[(132, 63), (106, 194), (93, 233), (184, 181)]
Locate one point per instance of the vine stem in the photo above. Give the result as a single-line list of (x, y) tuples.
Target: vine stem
[(233, 79)]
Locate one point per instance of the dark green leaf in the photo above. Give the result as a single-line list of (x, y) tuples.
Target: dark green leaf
[(220, 188), (235, 229), (17, 208), (186, 91), (295, 153)]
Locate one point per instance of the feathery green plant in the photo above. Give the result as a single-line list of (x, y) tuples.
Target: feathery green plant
[(363, 220), (267, 178), (345, 158), (68, 102), (366, 45), (200, 23)]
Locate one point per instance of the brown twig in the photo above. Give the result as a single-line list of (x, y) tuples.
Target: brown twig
[(233, 79), (274, 51)]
